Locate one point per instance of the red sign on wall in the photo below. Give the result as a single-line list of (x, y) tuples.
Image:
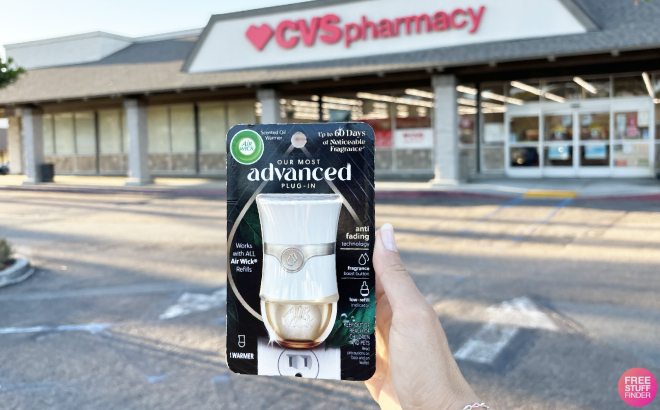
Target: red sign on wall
[(288, 33), (384, 139)]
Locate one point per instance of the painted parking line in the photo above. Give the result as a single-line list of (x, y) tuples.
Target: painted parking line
[(504, 322), (139, 289), (512, 202), (91, 328), (34, 387), (195, 302), (551, 215), (486, 344)]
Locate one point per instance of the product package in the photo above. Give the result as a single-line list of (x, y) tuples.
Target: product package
[(300, 236)]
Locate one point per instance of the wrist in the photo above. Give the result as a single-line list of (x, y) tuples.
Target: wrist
[(464, 398)]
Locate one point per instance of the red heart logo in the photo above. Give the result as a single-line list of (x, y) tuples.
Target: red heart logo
[(259, 36)]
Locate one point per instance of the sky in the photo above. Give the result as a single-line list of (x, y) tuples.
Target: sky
[(41, 19)]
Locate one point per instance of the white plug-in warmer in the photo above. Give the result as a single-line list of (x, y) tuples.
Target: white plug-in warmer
[(299, 283)]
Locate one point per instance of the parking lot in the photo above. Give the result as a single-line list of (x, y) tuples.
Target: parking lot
[(546, 301)]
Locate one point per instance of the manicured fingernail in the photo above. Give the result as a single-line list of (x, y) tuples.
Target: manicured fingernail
[(387, 236)]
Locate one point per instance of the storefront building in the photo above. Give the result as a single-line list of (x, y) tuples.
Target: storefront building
[(453, 89)]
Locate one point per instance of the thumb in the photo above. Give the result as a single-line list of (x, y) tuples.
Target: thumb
[(392, 279)]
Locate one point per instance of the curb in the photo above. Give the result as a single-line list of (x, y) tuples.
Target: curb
[(18, 272), (384, 194), (90, 190), (631, 197), (440, 194)]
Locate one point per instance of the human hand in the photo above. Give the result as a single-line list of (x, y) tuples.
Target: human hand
[(414, 366)]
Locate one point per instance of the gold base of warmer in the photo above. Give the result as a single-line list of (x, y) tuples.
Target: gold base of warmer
[(299, 326)]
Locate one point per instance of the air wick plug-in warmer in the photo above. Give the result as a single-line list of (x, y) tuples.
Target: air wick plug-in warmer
[(299, 283)]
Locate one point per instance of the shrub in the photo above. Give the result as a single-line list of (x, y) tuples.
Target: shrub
[(6, 252)]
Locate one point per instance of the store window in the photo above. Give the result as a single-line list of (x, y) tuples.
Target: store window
[(523, 129), (85, 142), (467, 124), (378, 115), (594, 139), (606, 136), (85, 133), (64, 135), (413, 133), (113, 144), (304, 110), (171, 133), (523, 138), (401, 119), (657, 126), (558, 127), (493, 108), (215, 119), (575, 88), (631, 155), (595, 127), (70, 142), (524, 91), (593, 87), (49, 136), (212, 133), (632, 125), (630, 86), (558, 140), (630, 129)]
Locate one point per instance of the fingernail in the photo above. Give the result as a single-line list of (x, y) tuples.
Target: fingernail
[(387, 237)]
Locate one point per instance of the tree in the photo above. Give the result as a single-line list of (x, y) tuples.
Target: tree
[(9, 72)]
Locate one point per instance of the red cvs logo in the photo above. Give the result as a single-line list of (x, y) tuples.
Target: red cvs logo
[(288, 33), (259, 36)]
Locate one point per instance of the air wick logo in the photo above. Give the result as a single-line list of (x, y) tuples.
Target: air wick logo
[(298, 316), (246, 147), (292, 259)]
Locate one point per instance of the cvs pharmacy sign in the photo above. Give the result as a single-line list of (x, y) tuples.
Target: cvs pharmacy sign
[(330, 29), (320, 31)]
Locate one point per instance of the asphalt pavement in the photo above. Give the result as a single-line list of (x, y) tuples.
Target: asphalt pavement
[(546, 302)]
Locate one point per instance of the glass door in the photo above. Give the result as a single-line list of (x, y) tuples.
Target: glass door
[(522, 154), (558, 144), (594, 147)]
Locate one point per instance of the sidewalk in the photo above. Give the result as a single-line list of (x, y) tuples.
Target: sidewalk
[(504, 188), (110, 184), (596, 188)]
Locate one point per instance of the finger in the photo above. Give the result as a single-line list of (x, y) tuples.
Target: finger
[(392, 276)]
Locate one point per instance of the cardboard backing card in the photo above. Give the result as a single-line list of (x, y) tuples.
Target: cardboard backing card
[(300, 236)]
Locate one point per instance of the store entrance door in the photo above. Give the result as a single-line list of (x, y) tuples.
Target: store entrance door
[(592, 143), (588, 139), (576, 143)]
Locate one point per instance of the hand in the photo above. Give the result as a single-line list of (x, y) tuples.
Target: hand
[(414, 366)]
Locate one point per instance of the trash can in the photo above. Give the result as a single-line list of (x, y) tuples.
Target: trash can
[(47, 172)]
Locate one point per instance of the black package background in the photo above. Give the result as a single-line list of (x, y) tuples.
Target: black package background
[(353, 330)]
